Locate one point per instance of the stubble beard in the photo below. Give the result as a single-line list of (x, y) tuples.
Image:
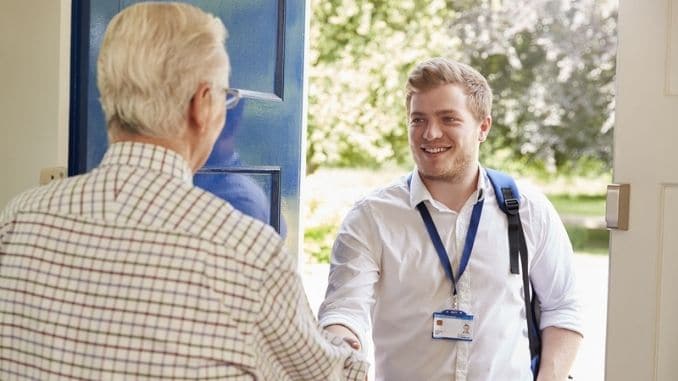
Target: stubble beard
[(452, 175)]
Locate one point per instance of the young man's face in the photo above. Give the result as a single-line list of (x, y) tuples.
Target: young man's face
[(444, 134)]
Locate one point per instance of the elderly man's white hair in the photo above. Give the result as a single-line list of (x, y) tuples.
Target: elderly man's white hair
[(152, 59)]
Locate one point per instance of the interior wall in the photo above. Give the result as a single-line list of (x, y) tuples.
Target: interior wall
[(34, 73)]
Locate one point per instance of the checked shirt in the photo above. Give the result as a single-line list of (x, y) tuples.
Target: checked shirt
[(131, 272)]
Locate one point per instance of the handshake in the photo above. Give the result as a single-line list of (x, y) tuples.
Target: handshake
[(346, 334)]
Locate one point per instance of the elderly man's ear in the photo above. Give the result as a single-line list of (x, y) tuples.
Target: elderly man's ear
[(201, 108)]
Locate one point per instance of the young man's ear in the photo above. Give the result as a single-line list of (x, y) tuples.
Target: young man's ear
[(485, 127), (200, 108)]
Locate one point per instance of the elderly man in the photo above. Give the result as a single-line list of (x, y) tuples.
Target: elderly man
[(131, 272)]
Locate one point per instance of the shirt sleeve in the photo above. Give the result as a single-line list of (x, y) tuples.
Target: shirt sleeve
[(3, 228), (354, 271), (5, 224), (303, 349), (552, 271)]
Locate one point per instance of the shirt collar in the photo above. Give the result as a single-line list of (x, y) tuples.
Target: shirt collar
[(150, 157), (419, 192)]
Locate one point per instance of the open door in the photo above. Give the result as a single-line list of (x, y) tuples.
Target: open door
[(266, 47), (642, 334)]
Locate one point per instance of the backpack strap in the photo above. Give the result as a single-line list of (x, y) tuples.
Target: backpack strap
[(508, 199)]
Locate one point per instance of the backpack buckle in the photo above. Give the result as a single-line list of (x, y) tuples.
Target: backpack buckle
[(511, 205)]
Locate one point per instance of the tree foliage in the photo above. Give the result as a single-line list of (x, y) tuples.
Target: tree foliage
[(550, 63)]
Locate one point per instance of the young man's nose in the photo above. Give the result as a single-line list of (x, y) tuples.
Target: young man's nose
[(432, 131)]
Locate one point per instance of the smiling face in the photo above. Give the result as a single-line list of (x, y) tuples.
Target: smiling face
[(444, 135)]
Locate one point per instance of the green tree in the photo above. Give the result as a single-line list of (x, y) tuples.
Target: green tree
[(549, 62), (360, 54)]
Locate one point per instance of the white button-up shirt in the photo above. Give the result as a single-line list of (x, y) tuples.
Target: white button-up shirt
[(386, 281)]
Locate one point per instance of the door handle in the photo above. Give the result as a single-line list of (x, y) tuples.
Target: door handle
[(617, 206)]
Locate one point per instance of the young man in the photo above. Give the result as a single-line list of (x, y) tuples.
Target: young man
[(131, 272), (387, 281)]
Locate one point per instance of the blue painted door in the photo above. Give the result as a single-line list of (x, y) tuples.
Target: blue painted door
[(262, 140)]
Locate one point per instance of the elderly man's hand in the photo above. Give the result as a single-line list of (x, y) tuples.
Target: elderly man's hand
[(346, 334)]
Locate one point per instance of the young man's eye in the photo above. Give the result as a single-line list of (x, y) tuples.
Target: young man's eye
[(416, 121)]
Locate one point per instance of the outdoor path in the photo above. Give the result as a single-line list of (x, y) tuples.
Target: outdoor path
[(592, 275)]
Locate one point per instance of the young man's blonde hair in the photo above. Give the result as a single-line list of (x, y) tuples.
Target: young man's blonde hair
[(152, 59), (440, 71)]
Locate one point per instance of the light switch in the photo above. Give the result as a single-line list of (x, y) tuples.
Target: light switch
[(617, 206), (53, 173)]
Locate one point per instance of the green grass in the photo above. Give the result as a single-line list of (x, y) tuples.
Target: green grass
[(580, 205), (318, 242), (590, 241)]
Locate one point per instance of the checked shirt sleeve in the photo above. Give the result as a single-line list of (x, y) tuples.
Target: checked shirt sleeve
[(4, 231), (299, 345)]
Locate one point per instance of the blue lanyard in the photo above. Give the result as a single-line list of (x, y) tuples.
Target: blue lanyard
[(438, 244), (440, 248)]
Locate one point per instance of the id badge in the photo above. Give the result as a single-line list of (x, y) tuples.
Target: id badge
[(452, 325)]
